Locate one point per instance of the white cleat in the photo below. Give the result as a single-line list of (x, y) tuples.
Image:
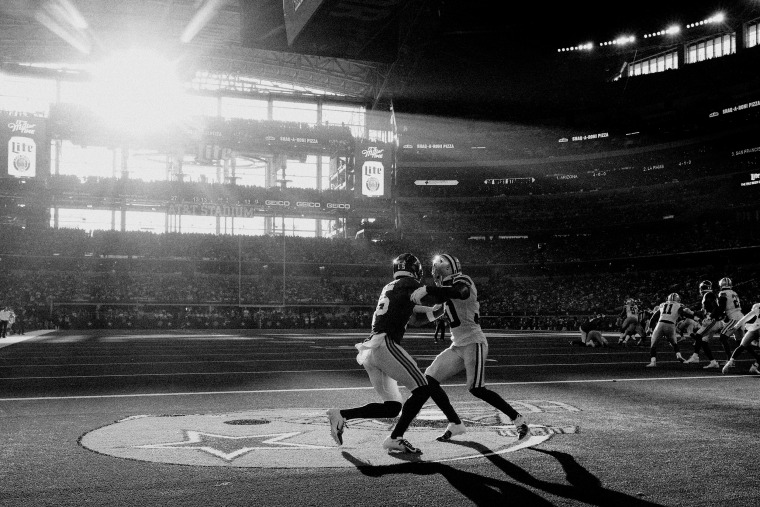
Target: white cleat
[(451, 431), (712, 365), (521, 427), (754, 369), (400, 445), (651, 365), (694, 359)]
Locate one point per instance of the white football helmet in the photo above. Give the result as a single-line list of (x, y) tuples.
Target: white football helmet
[(674, 298), (725, 283), (444, 267)]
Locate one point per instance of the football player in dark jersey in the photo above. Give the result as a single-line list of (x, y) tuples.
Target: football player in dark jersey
[(710, 322), (591, 335), (387, 363)]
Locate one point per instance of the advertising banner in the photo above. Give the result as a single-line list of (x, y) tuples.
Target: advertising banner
[(373, 169), (24, 148)]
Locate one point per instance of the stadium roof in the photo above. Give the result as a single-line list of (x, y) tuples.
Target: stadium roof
[(451, 53)]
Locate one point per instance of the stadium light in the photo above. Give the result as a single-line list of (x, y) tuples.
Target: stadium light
[(137, 90), (713, 20)]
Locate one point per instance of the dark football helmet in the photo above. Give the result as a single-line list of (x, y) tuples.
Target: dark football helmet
[(705, 286), (407, 264)]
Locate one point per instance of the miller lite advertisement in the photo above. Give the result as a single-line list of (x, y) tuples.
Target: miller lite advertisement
[(373, 169), (24, 147)]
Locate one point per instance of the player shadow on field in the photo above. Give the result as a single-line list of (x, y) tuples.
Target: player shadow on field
[(584, 486)]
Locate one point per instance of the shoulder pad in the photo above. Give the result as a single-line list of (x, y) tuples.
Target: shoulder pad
[(460, 278)]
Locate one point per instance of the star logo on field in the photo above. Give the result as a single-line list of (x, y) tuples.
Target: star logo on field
[(229, 447)]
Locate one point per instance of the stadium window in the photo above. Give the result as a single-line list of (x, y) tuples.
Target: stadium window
[(147, 165), (86, 219), (150, 221), (87, 161), (24, 94), (752, 32), (721, 45), (302, 174), (354, 117), (709, 49), (299, 112), (203, 105), (246, 109), (195, 224), (249, 226)]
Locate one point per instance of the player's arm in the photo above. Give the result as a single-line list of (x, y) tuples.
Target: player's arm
[(422, 315), (743, 320), (653, 320), (429, 295)]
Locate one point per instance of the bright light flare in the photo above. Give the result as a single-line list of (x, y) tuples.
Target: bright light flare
[(138, 91)]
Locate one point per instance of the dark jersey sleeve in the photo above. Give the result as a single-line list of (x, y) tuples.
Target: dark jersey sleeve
[(394, 307)]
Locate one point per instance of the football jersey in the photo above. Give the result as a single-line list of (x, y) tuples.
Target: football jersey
[(394, 307), (710, 304), (464, 314), (631, 311), (733, 306), (670, 311)]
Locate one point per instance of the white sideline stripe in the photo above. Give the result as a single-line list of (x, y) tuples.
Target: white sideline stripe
[(326, 389), (276, 372)]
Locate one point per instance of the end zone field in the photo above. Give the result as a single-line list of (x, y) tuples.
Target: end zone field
[(207, 418)]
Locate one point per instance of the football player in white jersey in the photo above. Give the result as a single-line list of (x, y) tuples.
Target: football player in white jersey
[(666, 316), (469, 347), (751, 323), (731, 308)]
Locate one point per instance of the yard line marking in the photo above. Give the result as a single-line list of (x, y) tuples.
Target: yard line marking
[(366, 388)]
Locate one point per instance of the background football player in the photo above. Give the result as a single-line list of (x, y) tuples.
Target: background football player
[(469, 347), (710, 324), (630, 318), (731, 308), (665, 317), (751, 324)]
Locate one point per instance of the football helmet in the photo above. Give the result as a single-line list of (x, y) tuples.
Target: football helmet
[(674, 298), (445, 266), (407, 264), (725, 283), (705, 286)]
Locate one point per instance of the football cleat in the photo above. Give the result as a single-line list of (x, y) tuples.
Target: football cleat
[(729, 366), (652, 364), (693, 359), (337, 424), (713, 365), (754, 369), (452, 430), (400, 444), (521, 427)]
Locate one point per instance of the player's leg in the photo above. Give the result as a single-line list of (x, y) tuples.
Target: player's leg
[(745, 344), (385, 386), (399, 365), (658, 331), (670, 332), (475, 356), (725, 337), (445, 365)]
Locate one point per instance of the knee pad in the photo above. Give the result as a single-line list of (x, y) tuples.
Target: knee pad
[(393, 407)]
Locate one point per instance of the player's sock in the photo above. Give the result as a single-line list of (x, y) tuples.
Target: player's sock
[(411, 408), (708, 351), (496, 401), (442, 400), (387, 410), (726, 346)]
